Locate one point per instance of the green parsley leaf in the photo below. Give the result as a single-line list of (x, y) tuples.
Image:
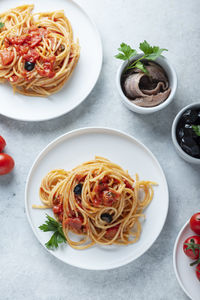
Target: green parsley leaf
[(50, 224), (1, 25), (151, 53), (52, 243), (196, 129), (157, 52), (146, 48), (58, 237), (126, 52), (141, 66)]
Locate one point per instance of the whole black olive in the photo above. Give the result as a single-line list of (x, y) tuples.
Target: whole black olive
[(29, 66), (190, 116), (78, 189), (189, 145), (189, 131), (180, 133), (198, 140), (106, 217)]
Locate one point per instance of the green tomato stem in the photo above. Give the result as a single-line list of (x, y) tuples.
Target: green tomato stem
[(195, 262)]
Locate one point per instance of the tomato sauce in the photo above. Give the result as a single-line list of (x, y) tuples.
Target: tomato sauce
[(128, 185), (111, 232), (48, 67), (25, 46), (103, 194)]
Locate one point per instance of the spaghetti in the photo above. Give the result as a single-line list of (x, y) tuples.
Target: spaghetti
[(98, 200), (37, 51)]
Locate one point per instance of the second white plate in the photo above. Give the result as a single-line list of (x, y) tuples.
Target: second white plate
[(184, 273), (82, 145), (80, 84)]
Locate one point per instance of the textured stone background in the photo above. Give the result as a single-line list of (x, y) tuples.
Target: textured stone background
[(26, 271)]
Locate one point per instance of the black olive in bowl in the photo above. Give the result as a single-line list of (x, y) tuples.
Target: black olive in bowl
[(186, 133)]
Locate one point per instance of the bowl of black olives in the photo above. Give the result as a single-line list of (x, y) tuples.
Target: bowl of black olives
[(186, 133)]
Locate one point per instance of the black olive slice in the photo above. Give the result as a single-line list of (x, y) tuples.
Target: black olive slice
[(106, 217), (78, 189), (29, 66)]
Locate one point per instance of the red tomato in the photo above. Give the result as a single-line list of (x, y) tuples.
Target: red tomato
[(35, 41), (111, 232), (60, 217), (75, 223), (6, 57), (48, 67), (16, 40), (13, 78), (2, 143), (6, 164), (195, 223), (191, 247), (109, 197), (128, 185), (57, 209), (21, 49), (198, 271), (105, 179), (46, 72), (32, 55)]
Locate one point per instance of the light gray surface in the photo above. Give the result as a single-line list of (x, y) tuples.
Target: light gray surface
[(27, 271)]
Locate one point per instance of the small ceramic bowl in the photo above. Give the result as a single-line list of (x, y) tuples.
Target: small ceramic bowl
[(172, 77), (178, 148)]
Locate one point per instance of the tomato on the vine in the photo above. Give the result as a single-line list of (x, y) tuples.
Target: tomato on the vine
[(191, 247), (6, 163), (195, 223), (2, 143)]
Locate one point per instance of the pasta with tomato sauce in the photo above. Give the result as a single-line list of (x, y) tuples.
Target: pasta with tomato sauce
[(37, 51), (97, 200)]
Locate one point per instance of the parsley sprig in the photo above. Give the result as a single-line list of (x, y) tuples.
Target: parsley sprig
[(58, 236), (150, 53), (196, 129)]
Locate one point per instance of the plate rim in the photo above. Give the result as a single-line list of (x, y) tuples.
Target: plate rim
[(175, 261), (82, 131), (97, 33)]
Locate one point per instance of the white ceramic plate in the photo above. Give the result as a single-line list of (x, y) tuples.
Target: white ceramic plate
[(184, 273), (79, 146), (82, 80)]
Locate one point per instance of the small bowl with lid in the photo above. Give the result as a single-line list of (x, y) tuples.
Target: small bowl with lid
[(186, 133), (139, 84)]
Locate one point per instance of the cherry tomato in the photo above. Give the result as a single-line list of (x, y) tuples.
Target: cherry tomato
[(6, 163), (2, 143), (195, 223), (198, 271), (191, 247)]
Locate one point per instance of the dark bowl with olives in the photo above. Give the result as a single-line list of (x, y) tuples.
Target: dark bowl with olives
[(186, 133)]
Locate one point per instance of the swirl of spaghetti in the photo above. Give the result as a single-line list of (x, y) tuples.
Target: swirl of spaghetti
[(37, 51), (97, 200)]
